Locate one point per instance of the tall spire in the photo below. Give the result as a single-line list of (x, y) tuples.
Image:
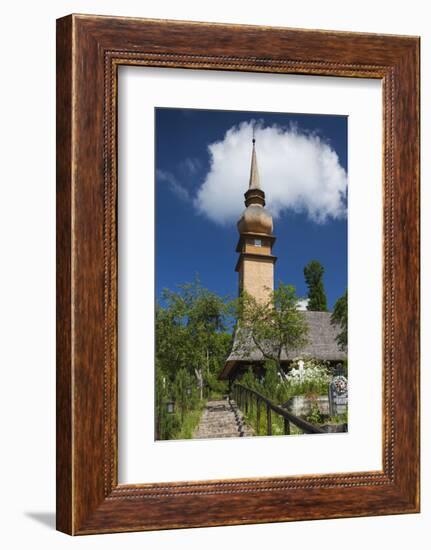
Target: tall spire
[(255, 264), (254, 172), (254, 193)]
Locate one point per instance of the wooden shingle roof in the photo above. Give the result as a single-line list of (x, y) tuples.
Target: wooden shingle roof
[(321, 344)]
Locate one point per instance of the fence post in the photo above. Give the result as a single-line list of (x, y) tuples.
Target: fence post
[(286, 427), (257, 416), (268, 419)]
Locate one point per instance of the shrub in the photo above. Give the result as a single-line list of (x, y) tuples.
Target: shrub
[(313, 379)]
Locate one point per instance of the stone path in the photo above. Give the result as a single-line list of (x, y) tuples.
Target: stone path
[(222, 419)]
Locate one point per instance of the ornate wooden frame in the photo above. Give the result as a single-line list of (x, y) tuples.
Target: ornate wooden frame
[(89, 51)]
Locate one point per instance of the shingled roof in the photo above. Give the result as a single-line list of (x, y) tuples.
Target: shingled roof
[(321, 344)]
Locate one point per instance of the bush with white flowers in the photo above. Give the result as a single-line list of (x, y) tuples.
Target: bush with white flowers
[(309, 376), (305, 377)]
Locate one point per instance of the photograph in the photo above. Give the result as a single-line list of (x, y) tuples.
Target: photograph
[(251, 274), (214, 272)]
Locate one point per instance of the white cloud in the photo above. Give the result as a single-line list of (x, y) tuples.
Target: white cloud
[(298, 172)]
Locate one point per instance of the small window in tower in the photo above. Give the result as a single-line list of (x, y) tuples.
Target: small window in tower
[(257, 242)]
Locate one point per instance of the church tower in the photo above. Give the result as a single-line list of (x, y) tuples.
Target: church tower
[(255, 269), (255, 264)]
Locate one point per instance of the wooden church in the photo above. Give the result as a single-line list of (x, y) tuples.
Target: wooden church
[(255, 269)]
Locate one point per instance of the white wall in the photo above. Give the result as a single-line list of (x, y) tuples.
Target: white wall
[(27, 313)]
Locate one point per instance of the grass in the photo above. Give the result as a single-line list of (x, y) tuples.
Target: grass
[(277, 422), (340, 419), (190, 422)]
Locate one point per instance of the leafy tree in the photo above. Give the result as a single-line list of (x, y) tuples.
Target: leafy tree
[(268, 384), (220, 347), (271, 380), (274, 326), (313, 273), (339, 317), (183, 392), (192, 341), (191, 331)]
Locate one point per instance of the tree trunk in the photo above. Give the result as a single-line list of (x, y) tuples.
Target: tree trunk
[(199, 377), (280, 368)]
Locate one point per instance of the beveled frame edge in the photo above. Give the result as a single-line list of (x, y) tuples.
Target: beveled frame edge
[(89, 51)]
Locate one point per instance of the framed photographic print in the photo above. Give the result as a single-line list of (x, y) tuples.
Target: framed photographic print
[(237, 274)]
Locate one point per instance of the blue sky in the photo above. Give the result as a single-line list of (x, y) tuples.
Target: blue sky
[(196, 223)]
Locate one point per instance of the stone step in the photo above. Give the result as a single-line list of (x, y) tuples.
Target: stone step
[(221, 419)]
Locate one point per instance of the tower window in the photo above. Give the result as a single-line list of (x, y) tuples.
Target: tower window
[(257, 242)]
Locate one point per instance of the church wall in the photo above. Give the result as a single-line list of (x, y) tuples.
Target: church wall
[(258, 277)]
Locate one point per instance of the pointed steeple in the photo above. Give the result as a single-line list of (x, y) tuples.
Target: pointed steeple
[(254, 194), (254, 172), (255, 264)]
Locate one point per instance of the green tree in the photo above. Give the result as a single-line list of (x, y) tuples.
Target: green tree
[(191, 330), (313, 273), (192, 341), (274, 327), (339, 317), (270, 382), (183, 392), (219, 349)]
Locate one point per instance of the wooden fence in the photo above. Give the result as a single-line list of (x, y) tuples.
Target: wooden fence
[(249, 400)]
